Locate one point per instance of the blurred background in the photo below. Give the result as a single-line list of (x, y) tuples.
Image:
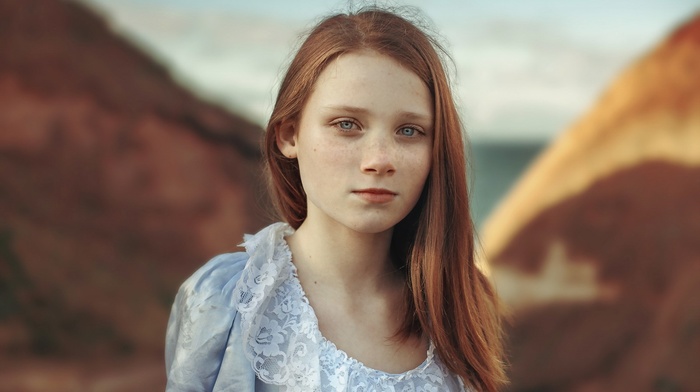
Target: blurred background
[(129, 155)]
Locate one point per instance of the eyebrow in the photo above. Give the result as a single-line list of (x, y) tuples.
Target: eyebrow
[(358, 110)]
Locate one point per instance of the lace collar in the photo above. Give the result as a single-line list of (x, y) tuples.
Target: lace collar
[(282, 339)]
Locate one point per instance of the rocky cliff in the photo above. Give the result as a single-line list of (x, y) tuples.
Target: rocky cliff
[(115, 184), (597, 248)]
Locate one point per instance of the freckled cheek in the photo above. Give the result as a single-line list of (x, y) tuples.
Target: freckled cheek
[(324, 164), (332, 154), (417, 161)]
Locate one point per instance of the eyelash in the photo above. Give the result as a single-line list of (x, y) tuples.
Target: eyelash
[(417, 131), (352, 124)]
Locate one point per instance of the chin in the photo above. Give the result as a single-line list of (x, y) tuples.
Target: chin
[(372, 227)]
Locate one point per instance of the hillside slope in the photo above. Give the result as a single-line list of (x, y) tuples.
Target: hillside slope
[(115, 184), (596, 249)]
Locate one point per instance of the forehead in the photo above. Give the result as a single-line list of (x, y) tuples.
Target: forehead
[(369, 80)]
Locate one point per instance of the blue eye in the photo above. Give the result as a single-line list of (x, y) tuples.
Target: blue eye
[(345, 125), (407, 131)]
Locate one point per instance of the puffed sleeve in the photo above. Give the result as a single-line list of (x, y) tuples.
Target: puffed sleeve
[(201, 322)]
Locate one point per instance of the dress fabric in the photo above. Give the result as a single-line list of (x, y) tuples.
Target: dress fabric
[(243, 323)]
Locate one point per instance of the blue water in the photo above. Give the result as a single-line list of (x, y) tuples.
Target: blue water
[(495, 168)]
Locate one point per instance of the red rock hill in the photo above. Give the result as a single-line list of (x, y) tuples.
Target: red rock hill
[(597, 248), (115, 184)]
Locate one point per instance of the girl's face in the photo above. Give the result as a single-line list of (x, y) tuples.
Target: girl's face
[(363, 143)]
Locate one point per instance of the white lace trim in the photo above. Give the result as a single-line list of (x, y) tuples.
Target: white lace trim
[(282, 339)]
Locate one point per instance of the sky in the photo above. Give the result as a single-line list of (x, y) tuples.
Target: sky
[(524, 70)]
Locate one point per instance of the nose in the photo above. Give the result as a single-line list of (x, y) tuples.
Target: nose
[(378, 157)]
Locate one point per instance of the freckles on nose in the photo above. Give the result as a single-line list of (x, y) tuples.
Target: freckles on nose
[(378, 157)]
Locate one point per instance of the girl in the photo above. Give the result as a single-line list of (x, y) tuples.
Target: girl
[(370, 284)]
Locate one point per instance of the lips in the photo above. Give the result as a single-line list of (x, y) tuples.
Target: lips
[(375, 195)]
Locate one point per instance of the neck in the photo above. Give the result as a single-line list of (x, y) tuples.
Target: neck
[(344, 259)]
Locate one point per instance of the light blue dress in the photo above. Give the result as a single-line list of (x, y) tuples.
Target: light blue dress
[(243, 323)]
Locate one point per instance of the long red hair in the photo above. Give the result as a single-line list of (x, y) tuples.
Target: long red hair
[(448, 297)]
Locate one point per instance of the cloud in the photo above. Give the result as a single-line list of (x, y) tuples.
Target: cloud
[(517, 77), (227, 57), (522, 79)]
